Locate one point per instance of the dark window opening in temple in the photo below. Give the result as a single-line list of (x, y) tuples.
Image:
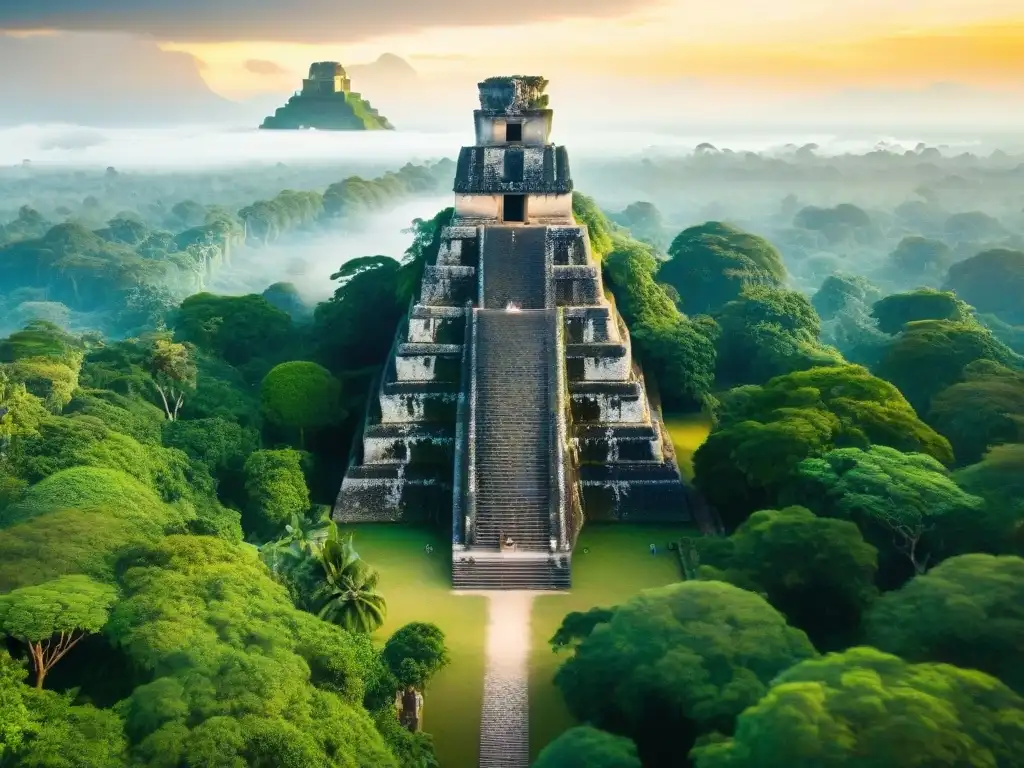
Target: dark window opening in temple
[(515, 208), (513, 131)]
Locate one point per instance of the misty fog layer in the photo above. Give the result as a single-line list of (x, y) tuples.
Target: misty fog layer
[(307, 261), (968, 195), (205, 147)]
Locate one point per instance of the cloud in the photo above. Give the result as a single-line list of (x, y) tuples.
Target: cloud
[(264, 67), (308, 262), (307, 21), (101, 79)]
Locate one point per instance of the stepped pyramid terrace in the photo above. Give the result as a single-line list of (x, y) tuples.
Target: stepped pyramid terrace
[(511, 396), (327, 103)]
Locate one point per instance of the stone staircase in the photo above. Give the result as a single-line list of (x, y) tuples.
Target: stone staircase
[(514, 268), (477, 569), (513, 433)]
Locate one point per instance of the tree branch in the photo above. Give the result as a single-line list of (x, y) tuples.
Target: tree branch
[(167, 408)]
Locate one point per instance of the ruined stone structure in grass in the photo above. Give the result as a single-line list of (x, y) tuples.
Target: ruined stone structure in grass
[(327, 103), (511, 400)]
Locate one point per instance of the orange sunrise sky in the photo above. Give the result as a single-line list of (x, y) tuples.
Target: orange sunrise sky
[(791, 45)]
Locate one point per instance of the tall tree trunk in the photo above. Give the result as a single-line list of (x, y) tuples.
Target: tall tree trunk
[(38, 664), (167, 406), (409, 717)]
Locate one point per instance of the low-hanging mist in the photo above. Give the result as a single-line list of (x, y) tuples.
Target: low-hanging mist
[(200, 147), (308, 261)]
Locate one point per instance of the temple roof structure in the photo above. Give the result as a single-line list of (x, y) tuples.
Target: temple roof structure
[(327, 103)]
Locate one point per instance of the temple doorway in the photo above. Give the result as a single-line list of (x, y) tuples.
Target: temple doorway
[(514, 208), (513, 131)]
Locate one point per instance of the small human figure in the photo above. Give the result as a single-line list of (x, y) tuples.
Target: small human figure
[(654, 549)]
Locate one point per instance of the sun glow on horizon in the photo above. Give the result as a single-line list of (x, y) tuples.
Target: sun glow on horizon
[(786, 47)]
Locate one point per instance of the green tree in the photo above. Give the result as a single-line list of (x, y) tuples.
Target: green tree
[(369, 288), (918, 257), (645, 223), (764, 432), (967, 611), (125, 228), (52, 618), (985, 409), (146, 308), (676, 662), (222, 391), (577, 625), (219, 444), (586, 747), (189, 213), (22, 412), (301, 395), (867, 708), (681, 358), (768, 332), (999, 479), (676, 351), (94, 488), (931, 355), (84, 440), (414, 654), (173, 373), (60, 734), (993, 282), (348, 596), (710, 264), (907, 499), (842, 215), (15, 721), (40, 339), (239, 676), (587, 212), (424, 249), (286, 297), (293, 560), (276, 488), (839, 291), (130, 416), (894, 312), (96, 515), (46, 360), (238, 329), (818, 572), (973, 226)]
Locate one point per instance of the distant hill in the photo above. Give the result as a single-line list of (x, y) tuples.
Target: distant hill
[(102, 80), (387, 72)]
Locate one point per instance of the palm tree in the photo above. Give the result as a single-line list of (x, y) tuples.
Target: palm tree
[(348, 596)]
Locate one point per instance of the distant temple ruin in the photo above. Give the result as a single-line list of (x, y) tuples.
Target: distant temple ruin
[(511, 396), (327, 103)]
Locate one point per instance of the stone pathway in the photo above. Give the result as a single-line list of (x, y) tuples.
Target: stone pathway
[(504, 722)]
